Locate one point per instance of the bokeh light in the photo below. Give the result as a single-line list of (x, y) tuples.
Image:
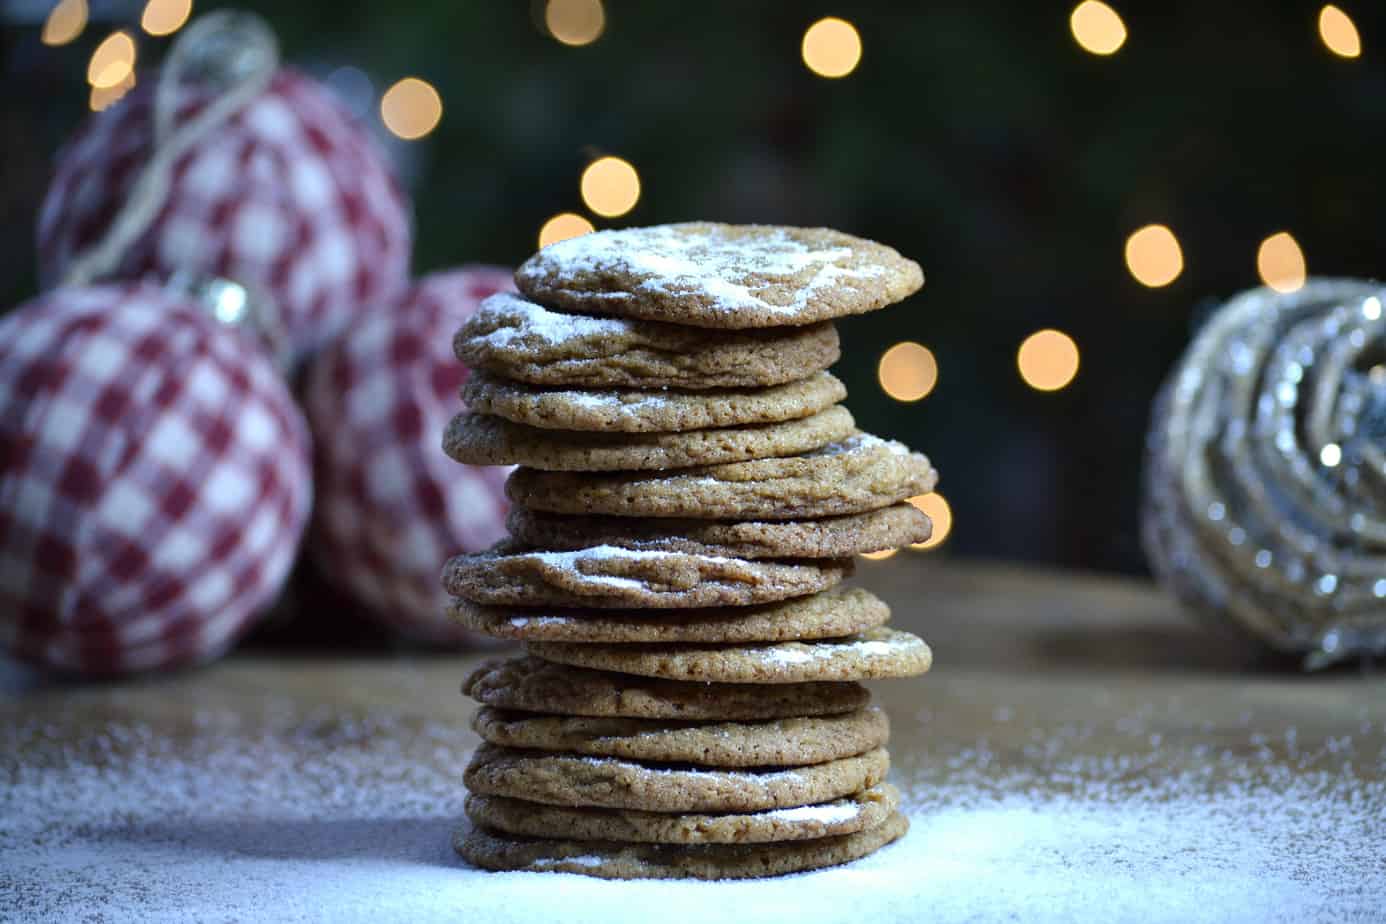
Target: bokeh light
[(907, 371), (1048, 360), (165, 17), (411, 108), (1280, 262), (64, 23), (936, 508), (105, 97), (882, 555), (1331, 454), (563, 226), (832, 47), (1153, 256), (112, 62), (575, 22), (610, 186), (1097, 27), (1339, 32)]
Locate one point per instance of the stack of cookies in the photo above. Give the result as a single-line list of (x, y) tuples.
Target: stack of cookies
[(689, 500)]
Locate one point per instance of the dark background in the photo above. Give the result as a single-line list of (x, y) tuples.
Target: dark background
[(977, 138)]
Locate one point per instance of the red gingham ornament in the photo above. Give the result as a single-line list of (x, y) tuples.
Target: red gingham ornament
[(391, 506), (154, 481), (290, 198)]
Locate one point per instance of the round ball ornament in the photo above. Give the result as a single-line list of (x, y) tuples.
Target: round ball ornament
[(1265, 488), (230, 167), (154, 481), (391, 506)]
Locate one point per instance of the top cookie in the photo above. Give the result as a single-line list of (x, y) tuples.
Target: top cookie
[(721, 276)]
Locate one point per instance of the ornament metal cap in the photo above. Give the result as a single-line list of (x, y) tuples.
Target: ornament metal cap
[(238, 306)]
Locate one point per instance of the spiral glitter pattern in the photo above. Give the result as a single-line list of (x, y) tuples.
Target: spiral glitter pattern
[(1265, 489)]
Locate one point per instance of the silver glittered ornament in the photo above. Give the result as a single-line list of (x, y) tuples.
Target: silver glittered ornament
[(1265, 488)]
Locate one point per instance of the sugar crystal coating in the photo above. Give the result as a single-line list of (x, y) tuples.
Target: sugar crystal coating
[(720, 276)]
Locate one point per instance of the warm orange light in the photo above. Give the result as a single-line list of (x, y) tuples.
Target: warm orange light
[(105, 97), (64, 23), (831, 47), (939, 513), (563, 226), (112, 62), (907, 371), (1339, 32), (575, 22), (1153, 256), (882, 555), (165, 17), (1280, 262), (1097, 27), (610, 186), (1048, 360), (411, 108)]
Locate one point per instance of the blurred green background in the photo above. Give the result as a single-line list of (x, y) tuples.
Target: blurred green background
[(979, 138)]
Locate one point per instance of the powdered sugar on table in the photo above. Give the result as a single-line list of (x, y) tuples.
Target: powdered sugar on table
[(285, 812)]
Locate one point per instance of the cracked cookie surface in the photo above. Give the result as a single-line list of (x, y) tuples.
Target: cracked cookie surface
[(720, 276), (517, 339), (858, 474)]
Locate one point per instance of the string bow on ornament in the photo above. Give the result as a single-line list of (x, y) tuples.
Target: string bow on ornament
[(233, 55), (238, 182)]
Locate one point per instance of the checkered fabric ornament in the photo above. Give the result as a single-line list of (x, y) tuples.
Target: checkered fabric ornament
[(391, 506), (154, 481), (289, 198)]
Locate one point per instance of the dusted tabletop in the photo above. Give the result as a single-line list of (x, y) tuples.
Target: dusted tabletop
[(1080, 749)]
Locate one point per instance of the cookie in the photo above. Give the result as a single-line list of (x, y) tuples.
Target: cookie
[(788, 741), (719, 276), (857, 812), (615, 860), (830, 614), (480, 439), (520, 340), (832, 537), (875, 654), (605, 576), (649, 411), (858, 474), (608, 782), (534, 685)]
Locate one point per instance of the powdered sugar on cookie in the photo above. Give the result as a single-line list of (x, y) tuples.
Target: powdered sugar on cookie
[(828, 813), (516, 319), (720, 275), (732, 274), (860, 443), (891, 644), (571, 562)]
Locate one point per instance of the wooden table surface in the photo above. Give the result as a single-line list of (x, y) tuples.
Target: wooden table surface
[(1048, 690)]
